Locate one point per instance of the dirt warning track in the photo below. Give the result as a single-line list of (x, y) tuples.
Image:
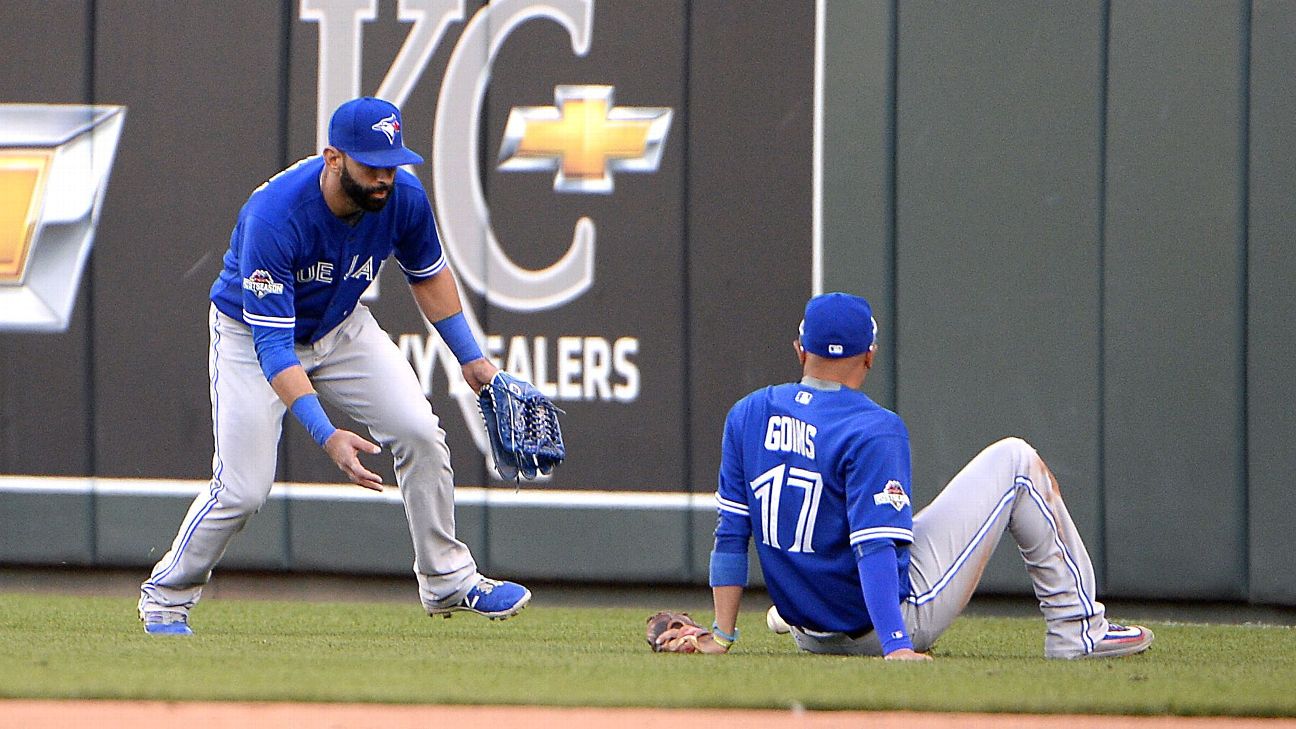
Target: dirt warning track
[(249, 715)]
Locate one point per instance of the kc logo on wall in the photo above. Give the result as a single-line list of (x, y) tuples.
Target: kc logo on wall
[(566, 310), (54, 165)]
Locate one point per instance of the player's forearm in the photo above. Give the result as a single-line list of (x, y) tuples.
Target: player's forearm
[(291, 383), (294, 388), (437, 296), (728, 579), (727, 599)]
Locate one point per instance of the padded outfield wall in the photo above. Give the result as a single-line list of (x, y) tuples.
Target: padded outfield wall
[(1074, 220)]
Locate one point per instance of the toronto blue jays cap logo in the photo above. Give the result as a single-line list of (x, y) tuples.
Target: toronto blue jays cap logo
[(351, 130), (389, 126)]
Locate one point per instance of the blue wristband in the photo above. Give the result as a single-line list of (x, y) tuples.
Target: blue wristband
[(728, 568), (454, 330), (308, 410), (730, 639)]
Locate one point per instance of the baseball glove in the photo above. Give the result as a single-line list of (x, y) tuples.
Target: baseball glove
[(522, 425), (672, 632)]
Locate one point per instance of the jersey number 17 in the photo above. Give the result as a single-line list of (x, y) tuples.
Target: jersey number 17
[(768, 488)]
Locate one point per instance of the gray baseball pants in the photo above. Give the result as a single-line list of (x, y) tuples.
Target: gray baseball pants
[(357, 368), (1006, 487)]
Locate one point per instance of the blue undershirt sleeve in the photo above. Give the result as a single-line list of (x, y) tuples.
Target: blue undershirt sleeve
[(880, 581), (274, 349), (266, 262), (733, 524)]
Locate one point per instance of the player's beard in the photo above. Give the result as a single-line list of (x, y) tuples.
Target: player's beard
[(365, 196)]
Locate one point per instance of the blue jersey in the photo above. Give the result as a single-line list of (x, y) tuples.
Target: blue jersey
[(292, 264), (814, 475)]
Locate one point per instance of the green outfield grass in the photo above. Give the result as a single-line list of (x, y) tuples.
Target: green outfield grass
[(76, 647)]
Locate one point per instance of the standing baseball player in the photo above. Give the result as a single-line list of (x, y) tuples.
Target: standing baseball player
[(287, 327), (819, 475)]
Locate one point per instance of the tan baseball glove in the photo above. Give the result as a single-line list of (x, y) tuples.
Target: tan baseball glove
[(672, 632)]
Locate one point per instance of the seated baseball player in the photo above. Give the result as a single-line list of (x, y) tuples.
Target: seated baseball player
[(819, 475)]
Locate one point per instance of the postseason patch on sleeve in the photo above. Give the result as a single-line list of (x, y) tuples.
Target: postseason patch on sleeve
[(261, 284), (894, 494)]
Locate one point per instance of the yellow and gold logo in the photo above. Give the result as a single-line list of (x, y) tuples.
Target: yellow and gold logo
[(584, 138), (23, 174), (54, 165)]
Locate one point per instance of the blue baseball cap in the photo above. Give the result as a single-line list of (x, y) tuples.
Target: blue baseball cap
[(369, 131), (838, 325)]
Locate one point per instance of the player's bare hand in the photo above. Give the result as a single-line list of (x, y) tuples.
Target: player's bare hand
[(478, 373), (905, 654), (345, 447), (687, 639)]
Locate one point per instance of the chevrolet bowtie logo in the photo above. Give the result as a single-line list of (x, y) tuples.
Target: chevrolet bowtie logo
[(54, 165), (584, 138), (22, 188)]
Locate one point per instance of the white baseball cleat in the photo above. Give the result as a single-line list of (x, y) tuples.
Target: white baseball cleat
[(776, 622), (1122, 641)]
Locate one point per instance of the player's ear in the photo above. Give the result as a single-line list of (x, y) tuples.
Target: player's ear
[(332, 158), (800, 351)]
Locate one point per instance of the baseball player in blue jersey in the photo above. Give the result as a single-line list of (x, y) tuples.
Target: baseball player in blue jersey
[(287, 326), (819, 476)]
